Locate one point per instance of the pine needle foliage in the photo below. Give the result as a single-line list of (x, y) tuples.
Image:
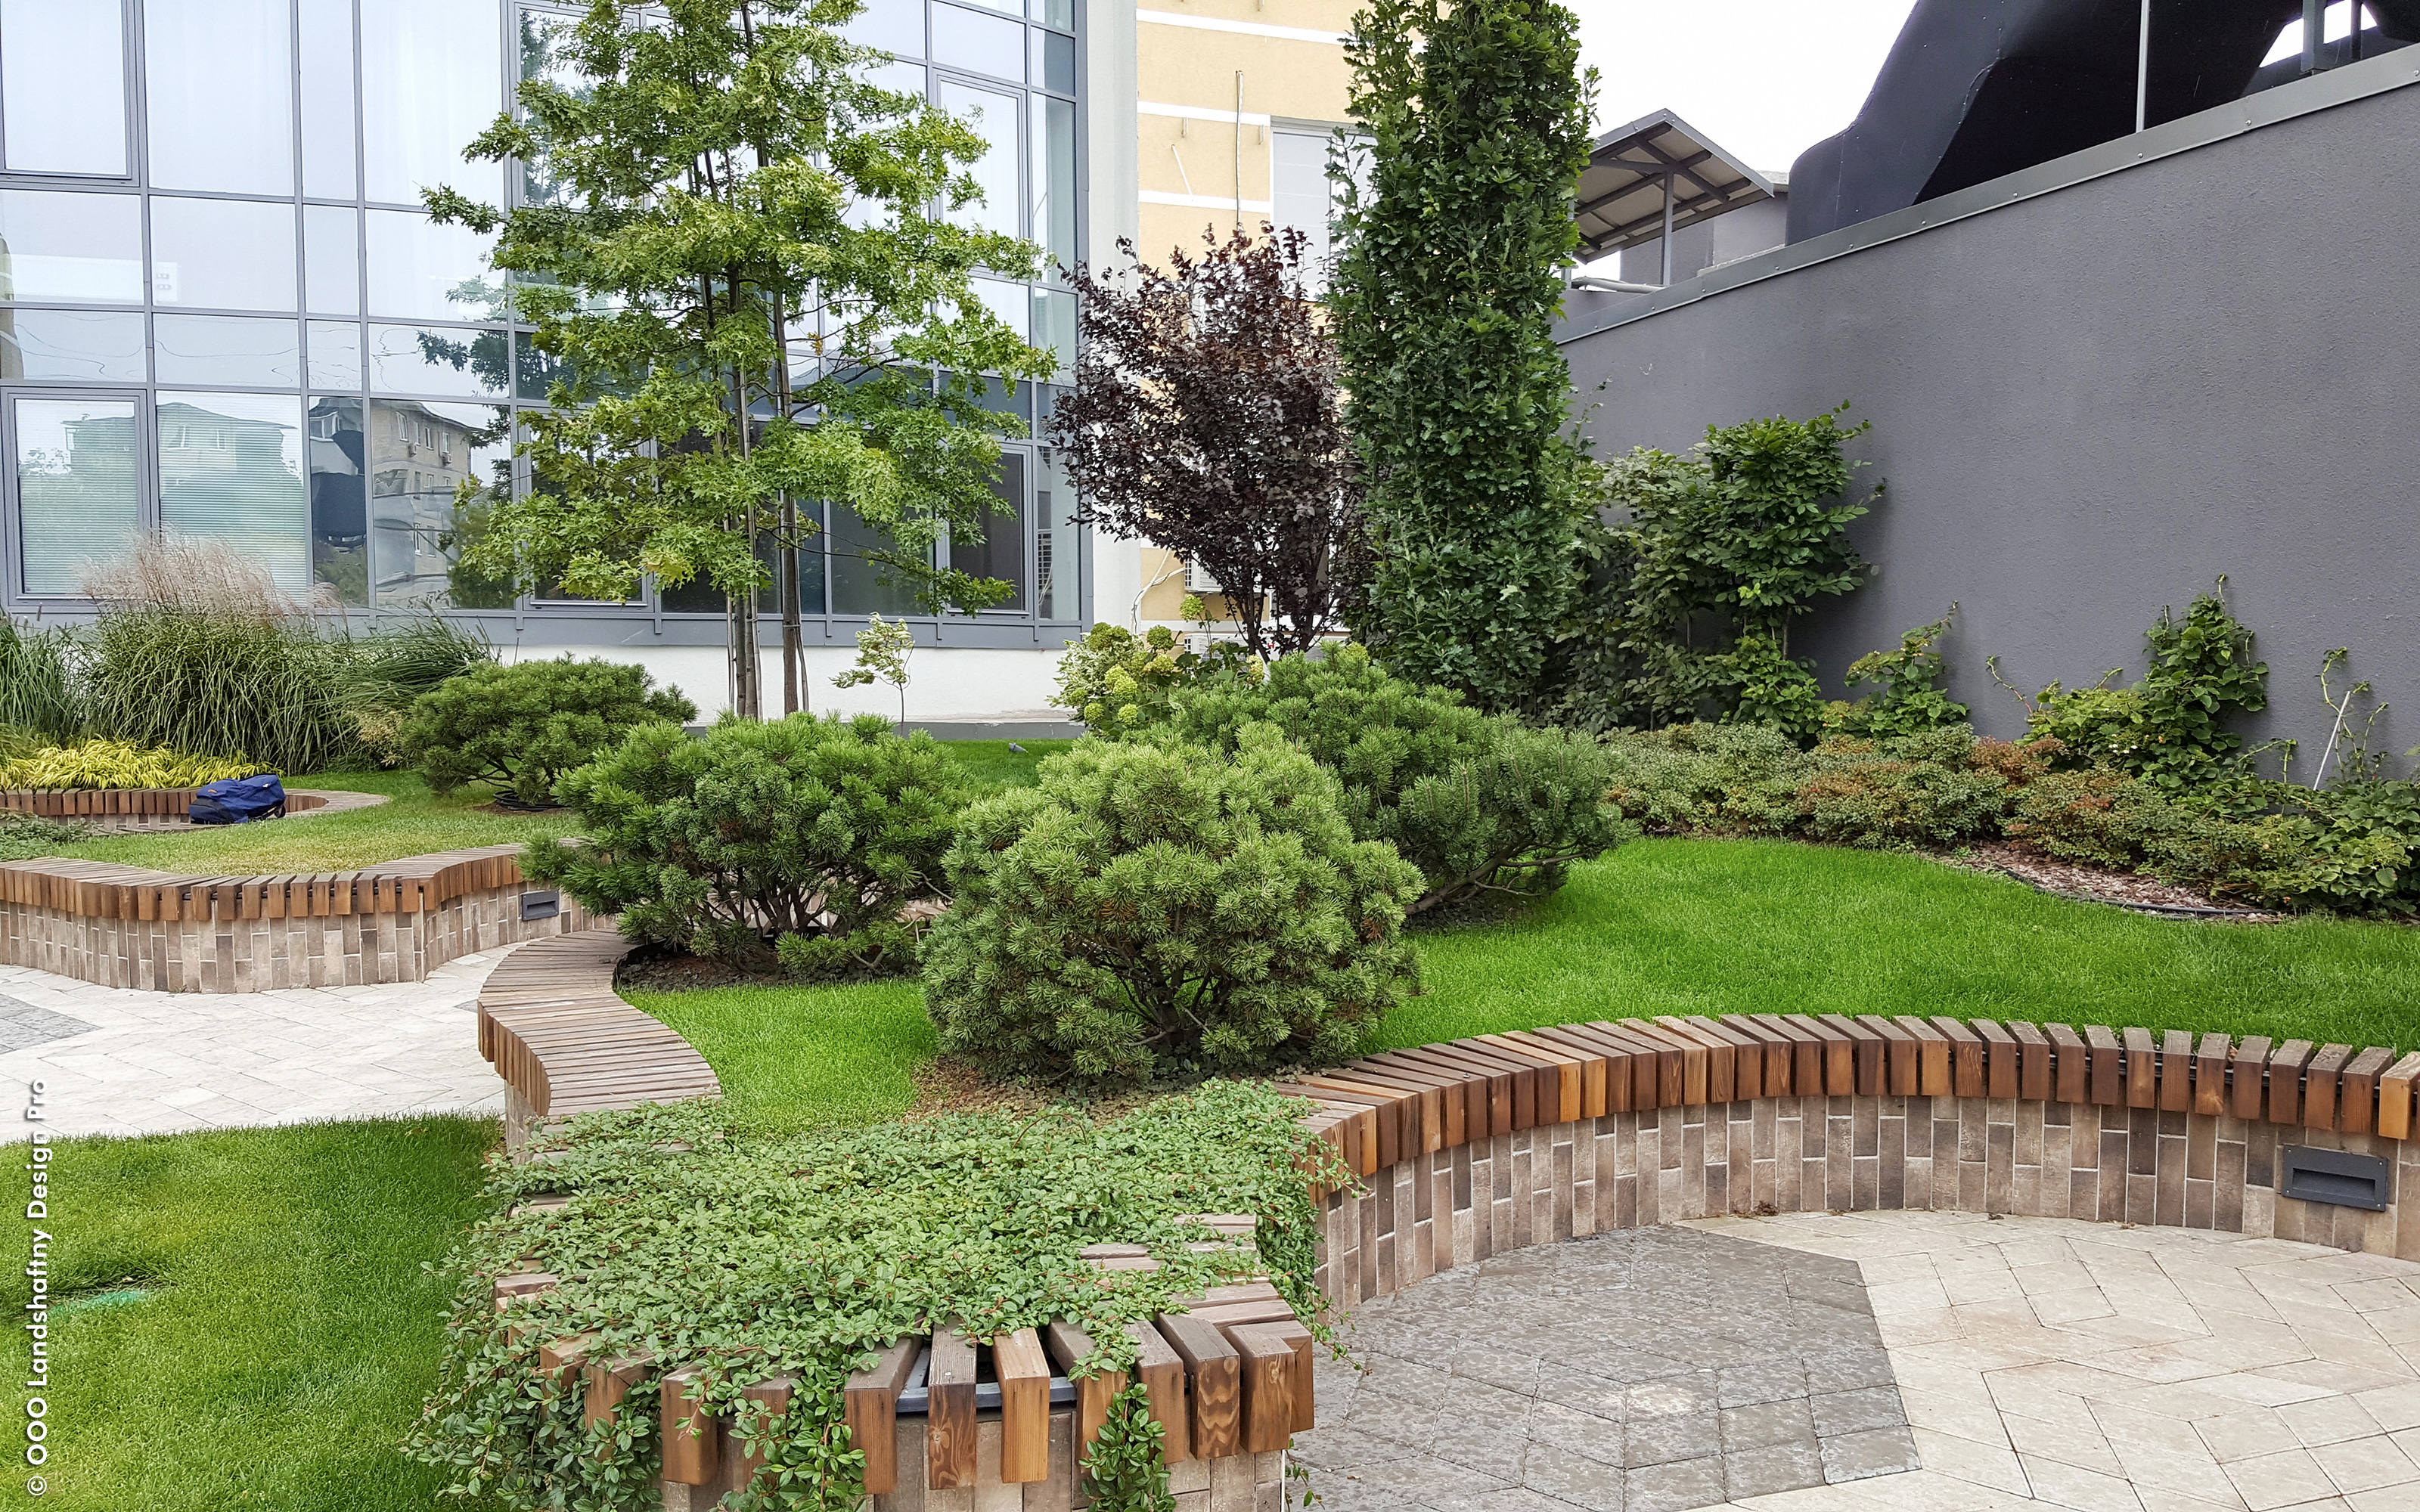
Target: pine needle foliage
[(1445, 298), (747, 1259)]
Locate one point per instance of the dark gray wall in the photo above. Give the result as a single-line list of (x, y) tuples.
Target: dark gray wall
[(2091, 403)]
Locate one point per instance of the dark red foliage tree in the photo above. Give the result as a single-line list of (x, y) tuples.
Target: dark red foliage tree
[(1206, 421)]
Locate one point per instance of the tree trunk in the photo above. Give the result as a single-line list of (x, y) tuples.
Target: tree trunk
[(793, 640)]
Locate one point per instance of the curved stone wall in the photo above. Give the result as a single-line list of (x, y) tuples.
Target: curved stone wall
[(1504, 1141)]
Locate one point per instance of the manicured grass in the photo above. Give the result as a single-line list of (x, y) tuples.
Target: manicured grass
[(992, 763), (281, 1333), (800, 1057), (1693, 926), (412, 822)]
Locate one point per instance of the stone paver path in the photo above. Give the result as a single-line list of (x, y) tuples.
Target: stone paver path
[(120, 1062), (2038, 1363)]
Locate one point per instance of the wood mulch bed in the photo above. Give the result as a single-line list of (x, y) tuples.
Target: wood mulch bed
[(2096, 884)]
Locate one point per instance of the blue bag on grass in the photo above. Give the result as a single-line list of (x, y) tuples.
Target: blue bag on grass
[(238, 800)]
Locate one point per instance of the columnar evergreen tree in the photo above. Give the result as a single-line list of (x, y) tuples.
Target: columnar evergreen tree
[(727, 219), (1477, 120)]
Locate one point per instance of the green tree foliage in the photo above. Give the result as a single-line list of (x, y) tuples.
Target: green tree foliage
[(1478, 803), (1445, 295), (1910, 698), (736, 223), (1710, 560), (817, 828), (883, 650), (1119, 683), (521, 727), (1149, 909)]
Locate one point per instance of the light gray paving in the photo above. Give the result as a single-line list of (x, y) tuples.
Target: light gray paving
[(118, 1062), (2005, 1364)]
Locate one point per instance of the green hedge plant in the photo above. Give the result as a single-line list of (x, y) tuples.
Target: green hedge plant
[(797, 840), (1150, 908), (1480, 804), (521, 727)]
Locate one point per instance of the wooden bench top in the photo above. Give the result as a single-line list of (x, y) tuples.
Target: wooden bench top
[(553, 1027)]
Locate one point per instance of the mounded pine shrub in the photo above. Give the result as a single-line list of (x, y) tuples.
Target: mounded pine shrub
[(523, 726), (1153, 908)]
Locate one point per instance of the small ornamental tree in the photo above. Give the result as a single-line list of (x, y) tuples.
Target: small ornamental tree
[(523, 726), (1151, 908), (736, 223), (1206, 421), (1445, 298)]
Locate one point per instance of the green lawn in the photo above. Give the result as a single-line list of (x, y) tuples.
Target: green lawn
[(991, 761), (278, 1334), (796, 1058)]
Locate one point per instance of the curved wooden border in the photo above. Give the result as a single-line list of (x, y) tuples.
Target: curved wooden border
[(565, 1041), (163, 807), (1524, 1137)]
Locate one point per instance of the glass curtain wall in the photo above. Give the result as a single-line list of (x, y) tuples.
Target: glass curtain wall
[(224, 313)]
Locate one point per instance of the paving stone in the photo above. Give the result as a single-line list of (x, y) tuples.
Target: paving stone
[(1670, 1487)]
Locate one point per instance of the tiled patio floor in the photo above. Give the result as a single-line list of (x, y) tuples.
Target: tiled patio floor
[(2038, 1363)]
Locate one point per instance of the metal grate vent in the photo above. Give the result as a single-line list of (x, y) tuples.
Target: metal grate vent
[(2332, 1176), (540, 904)]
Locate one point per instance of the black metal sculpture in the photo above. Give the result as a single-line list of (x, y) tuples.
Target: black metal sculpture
[(1977, 88)]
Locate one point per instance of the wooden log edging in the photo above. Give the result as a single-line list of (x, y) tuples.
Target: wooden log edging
[(565, 1042), (161, 808), (124, 926), (1500, 1141)]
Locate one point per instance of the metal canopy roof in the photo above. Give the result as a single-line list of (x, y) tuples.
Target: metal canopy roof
[(1623, 192)]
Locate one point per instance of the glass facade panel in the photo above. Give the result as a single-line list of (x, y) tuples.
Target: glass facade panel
[(1007, 300), (254, 351), (1054, 325), (231, 470), (79, 498), (857, 581), (1058, 13), (999, 553), (70, 249), (340, 536), (979, 43), (328, 136), (335, 348), (1053, 63), (222, 254), (219, 95), (444, 360), (897, 27), (993, 116), (331, 259), (72, 346), (432, 79), (1053, 185), (544, 35), (1058, 546), (419, 456), (421, 270), (1300, 194), (63, 86)]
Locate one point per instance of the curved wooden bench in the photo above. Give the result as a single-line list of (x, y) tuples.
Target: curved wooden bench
[(565, 1042), (117, 808), (1505, 1141)]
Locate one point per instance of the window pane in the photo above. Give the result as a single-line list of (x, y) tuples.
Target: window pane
[(1054, 325), (1300, 194), (340, 550), (335, 354), (1053, 63), (62, 81), (432, 78), (1006, 301), (421, 270), (442, 359), (78, 501), (219, 84), (1058, 13), (897, 27), (1053, 185), (1000, 553), (72, 346), (1057, 549), (327, 99), (222, 254), (856, 581), (418, 453), (983, 44), (228, 349), (544, 36), (231, 470), (993, 116), (73, 249), (331, 259)]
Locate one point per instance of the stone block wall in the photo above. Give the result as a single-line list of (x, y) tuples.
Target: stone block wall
[(1790, 1154), (1236, 1483)]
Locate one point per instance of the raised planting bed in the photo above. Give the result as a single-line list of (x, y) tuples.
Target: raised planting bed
[(157, 808), (1500, 1141), (123, 926)]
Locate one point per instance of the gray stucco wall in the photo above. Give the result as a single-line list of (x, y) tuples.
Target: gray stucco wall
[(2091, 403)]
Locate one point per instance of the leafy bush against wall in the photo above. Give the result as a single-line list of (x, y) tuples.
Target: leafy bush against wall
[(1478, 803), (1152, 907), (824, 1250), (1119, 683), (2171, 729), (816, 831), (1908, 698), (523, 726)]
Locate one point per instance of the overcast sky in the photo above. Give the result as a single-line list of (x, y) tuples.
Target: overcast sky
[(1766, 78)]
